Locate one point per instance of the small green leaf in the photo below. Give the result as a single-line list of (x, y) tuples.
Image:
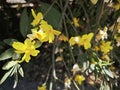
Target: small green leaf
[(9, 41), (94, 1), (38, 44), (14, 70), (7, 54), (108, 72), (9, 64), (15, 56), (20, 70), (6, 75), (24, 23), (15, 80)]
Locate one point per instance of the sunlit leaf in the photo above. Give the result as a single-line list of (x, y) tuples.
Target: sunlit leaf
[(8, 65), (108, 72), (15, 80), (85, 65), (20, 70), (7, 54), (94, 1), (6, 75), (14, 70)]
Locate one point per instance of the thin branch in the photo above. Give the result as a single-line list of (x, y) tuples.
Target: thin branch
[(20, 5)]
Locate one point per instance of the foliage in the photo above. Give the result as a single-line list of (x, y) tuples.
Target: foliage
[(85, 40)]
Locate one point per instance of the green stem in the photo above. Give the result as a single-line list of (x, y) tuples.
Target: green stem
[(50, 7)]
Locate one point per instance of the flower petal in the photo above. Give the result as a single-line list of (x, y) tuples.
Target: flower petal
[(35, 52), (19, 46)]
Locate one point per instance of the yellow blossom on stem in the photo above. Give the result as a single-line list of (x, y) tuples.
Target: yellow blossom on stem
[(105, 57), (85, 40), (76, 22), (96, 48), (117, 6), (118, 41), (43, 87), (34, 34), (59, 58), (37, 18), (63, 38), (49, 32), (117, 27), (27, 48), (75, 69), (105, 47), (37, 34), (74, 40), (67, 82), (79, 79), (102, 34)]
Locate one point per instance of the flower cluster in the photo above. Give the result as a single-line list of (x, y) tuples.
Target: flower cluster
[(41, 31), (83, 51), (85, 40)]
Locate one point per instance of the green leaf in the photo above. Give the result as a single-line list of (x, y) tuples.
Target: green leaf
[(9, 64), (15, 80), (38, 44), (15, 56), (24, 23), (108, 72), (14, 70), (20, 70), (9, 41), (7, 54), (94, 1), (6, 75), (52, 15)]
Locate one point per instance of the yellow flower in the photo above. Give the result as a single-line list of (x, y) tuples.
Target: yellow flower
[(37, 34), (102, 34), (75, 69), (34, 34), (105, 57), (43, 22), (43, 87), (79, 79), (59, 58), (105, 47), (67, 82), (37, 18), (118, 41), (49, 32), (76, 22), (96, 48), (27, 48), (63, 38), (74, 40), (117, 27), (117, 6), (85, 40)]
